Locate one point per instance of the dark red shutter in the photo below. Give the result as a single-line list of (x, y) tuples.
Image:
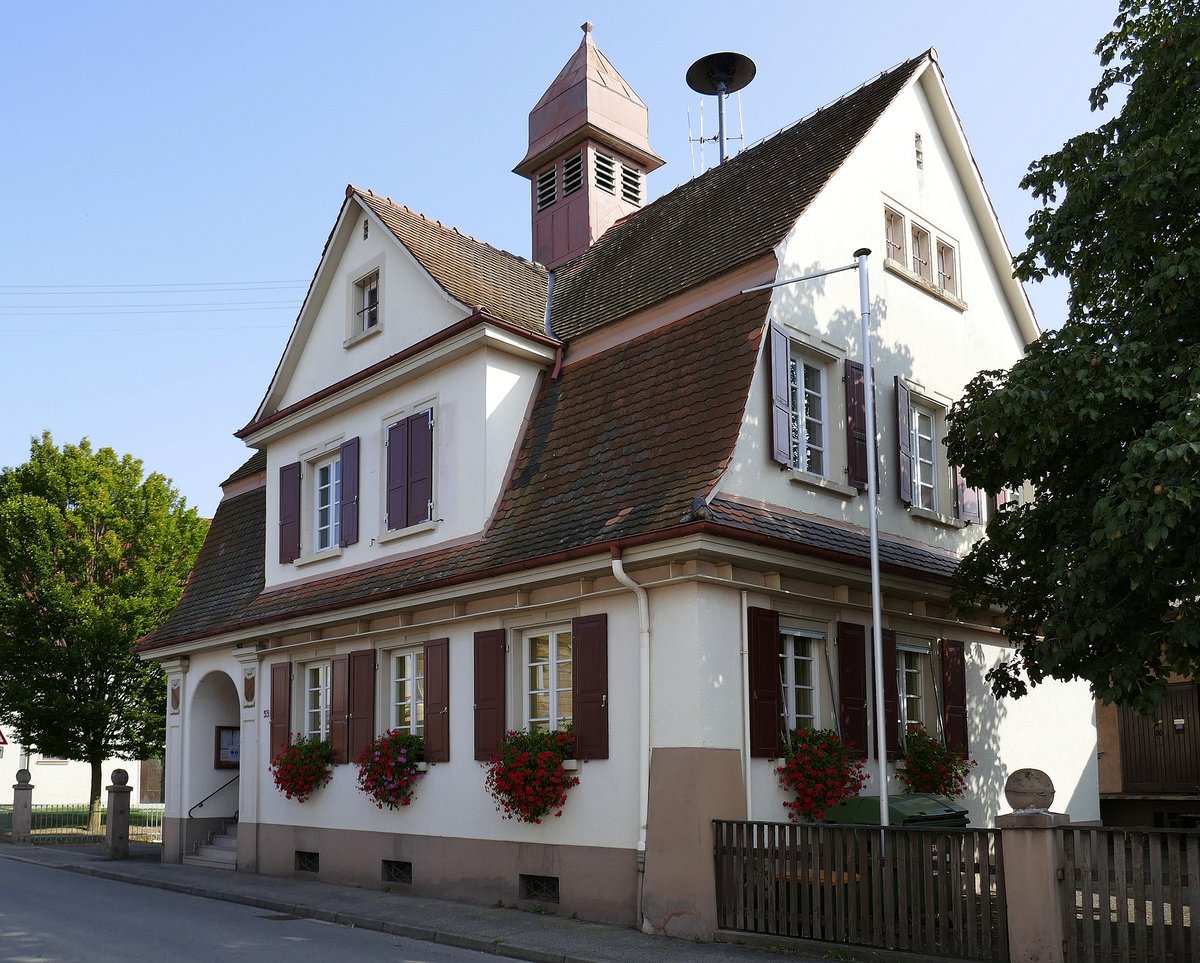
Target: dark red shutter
[(281, 707), (489, 692), (289, 513), (904, 441), (891, 695), (967, 501), (339, 707), (781, 398), (361, 724), (397, 475), (589, 686), (348, 506), (856, 425), (852, 684), (954, 695), (437, 700), (766, 695), (420, 466)]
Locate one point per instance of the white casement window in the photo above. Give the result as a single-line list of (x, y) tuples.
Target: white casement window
[(893, 225), (408, 691), (911, 669), (572, 174), (368, 301), (547, 188), (920, 252), (316, 700), (327, 495), (947, 273), (548, 674), (606, 173), (806, 385), (798, 657), (924, 457)]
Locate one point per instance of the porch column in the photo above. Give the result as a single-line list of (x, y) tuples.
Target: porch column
[(1035, 922), (173, 761), (250, 768)]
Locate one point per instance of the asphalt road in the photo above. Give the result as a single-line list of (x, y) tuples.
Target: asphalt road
[(51, 915)]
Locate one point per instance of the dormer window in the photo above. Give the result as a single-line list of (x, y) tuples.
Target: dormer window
[(368, 301), (547, 189)]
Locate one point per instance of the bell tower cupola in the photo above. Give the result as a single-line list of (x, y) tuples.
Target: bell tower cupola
[(589, 154)]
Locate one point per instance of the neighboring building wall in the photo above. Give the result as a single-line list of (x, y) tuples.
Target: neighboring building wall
[(63, 782)]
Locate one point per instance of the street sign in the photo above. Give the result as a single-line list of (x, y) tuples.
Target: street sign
[(3, 741)]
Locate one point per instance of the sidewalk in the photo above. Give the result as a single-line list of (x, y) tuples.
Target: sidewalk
[(500, 931)]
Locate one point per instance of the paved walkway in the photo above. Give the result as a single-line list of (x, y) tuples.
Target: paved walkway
[(504, 932)]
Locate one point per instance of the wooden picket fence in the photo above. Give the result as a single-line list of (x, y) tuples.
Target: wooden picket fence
[(937, 892), (1130, 894)]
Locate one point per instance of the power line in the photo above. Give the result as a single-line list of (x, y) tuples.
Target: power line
[(232, 305), (135, 311), (178, 286)]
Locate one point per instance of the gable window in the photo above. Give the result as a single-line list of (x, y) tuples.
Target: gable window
[(548, 680), (327, 496), (316, 700), (947, 275), (893, 225), (572, 174), (547, 188), (920, 252), (368, 301), (798, 650), (408, 691), (409, 458)]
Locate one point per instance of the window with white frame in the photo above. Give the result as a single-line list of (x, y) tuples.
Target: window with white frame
[(798, 659), (911, 685), (548, 676), (924, 456), (807, 388), (920, 252), (947, 272), (368, 301), (407, 694), (327, 495), (316, 700), (893, 226)]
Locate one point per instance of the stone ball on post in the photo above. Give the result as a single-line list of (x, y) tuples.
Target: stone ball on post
[(1029, 789)]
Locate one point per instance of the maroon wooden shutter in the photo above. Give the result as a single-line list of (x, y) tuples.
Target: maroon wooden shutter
[(289, 513), (437, 700), (968, 502), (954, 695), (856, 425), (781, 398), (904, 441), (281, 707), (589, 686), (890, 716), (852, 684), (339, 707), (361, 724), (489, 692), (397, 475), (766, 695), (420, 467), (348, 506)]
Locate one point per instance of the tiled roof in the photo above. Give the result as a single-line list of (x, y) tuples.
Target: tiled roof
[(726, 217), (252, 466), (471, 272), (228, 573)]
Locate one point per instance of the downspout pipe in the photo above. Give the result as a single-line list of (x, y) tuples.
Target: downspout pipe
[(643, 605), (745, 656)]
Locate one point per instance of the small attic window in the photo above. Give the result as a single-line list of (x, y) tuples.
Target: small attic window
[(606, 173), (368, 299), (631, 185), (547, 189), (572, 174)]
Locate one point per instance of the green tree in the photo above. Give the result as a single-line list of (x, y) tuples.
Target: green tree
[(92, 556), (1098, 574)]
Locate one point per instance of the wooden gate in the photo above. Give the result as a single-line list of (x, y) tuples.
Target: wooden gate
[(1161, 752), (1130, 895), (937, 892)]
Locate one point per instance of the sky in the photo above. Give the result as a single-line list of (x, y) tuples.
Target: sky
[(169, 172)]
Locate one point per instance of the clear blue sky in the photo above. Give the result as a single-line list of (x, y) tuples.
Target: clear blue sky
[(169, 172)]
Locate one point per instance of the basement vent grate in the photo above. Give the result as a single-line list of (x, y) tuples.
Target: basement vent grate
[(397, 871), (539, 889), (308, 862)]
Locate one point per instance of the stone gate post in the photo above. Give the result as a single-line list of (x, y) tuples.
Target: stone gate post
[(22, 824), (116, 831)]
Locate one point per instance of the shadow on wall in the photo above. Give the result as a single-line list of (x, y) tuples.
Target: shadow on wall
[(985, 787)]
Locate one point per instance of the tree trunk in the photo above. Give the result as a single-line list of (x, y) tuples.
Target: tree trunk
[(94, 803)]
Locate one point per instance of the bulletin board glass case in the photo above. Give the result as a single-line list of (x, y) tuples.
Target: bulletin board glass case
[(228, 747)]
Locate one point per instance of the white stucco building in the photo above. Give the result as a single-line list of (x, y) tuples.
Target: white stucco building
[(654, 484)]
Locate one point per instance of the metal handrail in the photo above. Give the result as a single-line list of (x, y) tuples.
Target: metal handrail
[(200, 804)]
